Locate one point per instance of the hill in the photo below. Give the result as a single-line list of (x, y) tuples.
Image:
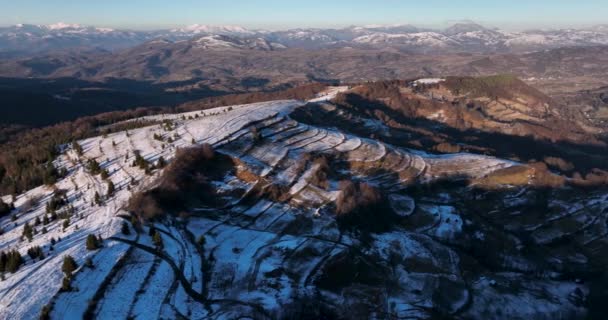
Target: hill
[(278, 209)]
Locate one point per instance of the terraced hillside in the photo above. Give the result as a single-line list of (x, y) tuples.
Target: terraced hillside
[(307, 221)]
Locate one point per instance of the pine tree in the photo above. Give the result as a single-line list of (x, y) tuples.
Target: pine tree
[(4, 208), (92, 242), (77, 147), (93, 166), (97, 198), (3, 261), (69, 266), (66, 284), (27, 232), (35, 253), (104, 174), (45, 313), (201, 240), (14, 261), (66, 223), (37, 221), (111, 188), (89, 263), (161, 162), (125, 228), (45, 220)]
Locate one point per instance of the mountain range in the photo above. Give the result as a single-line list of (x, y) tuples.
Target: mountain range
[(23, 39)]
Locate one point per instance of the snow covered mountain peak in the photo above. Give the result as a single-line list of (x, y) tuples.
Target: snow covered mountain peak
[(63, 25), (211, 29)]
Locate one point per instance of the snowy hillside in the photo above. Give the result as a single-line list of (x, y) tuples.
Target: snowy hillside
[(263, 258)]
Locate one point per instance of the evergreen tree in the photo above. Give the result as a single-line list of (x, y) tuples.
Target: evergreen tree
[(66, 284), (3, 261), (4, 208), (92, 242), (28, 232), (125, 228), (104, 174), (35, 253), (66, 223), (14, 261), (45, 313), (69, 266), (94, 167), (97, 198), (111, 188), (161, 162), (77, 147), (89, 263), (201, 241)]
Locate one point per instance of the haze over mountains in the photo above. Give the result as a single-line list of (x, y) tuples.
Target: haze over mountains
[(465, 37)]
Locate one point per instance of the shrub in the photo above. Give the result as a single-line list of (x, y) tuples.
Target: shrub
[(30, 203), (346, 201), (157, 239), (319, 176), (446, 147), (257, 137), (559, 163)]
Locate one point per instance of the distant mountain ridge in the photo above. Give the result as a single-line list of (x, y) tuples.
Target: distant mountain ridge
[(23, 39)]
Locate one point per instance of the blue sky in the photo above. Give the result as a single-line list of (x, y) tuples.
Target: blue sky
[(274, 14)]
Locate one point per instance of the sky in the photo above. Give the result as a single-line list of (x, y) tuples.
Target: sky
[(281, 14)]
